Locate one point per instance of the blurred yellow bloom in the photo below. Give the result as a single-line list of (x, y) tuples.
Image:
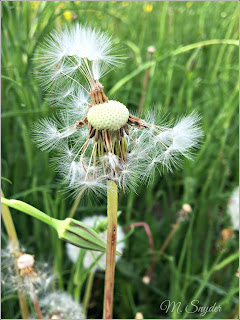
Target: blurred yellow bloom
[(125, 3), (76, 2), (68, 15), (35, 4), (62, 5), (189, 4), (148, 7)]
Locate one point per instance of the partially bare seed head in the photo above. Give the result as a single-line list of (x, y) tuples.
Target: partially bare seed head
[(25, 261), (112, 115)]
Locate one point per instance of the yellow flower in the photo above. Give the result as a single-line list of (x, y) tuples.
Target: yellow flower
[(125, 3), (76, 2), (68, 15), (148, 7), (62, 5), (189, 4), (35, 4)]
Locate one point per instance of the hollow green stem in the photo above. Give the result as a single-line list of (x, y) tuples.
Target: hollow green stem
[(69, 230), (112, 205), (30, 210), (13, 239), (87, 294)]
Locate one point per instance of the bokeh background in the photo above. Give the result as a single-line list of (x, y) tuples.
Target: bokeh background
[(194, 68)]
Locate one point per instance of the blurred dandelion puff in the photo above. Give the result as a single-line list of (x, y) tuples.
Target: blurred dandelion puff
[(96, 139), (60, 305), (233, 208)]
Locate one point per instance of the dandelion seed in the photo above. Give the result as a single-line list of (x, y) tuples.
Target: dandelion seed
[(233, 208), (91, 256), (60, 305), (96, 139)]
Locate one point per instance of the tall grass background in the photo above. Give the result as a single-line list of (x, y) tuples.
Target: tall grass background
[(194, 68)]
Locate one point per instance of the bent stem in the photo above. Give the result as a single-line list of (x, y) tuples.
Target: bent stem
[(150, 241), (13, 239), (112, 204)]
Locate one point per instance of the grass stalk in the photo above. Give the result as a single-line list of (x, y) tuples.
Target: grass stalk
[(13, 239), (75, 204), (169, 237), (88, 292), (145, 84), (112, 205)]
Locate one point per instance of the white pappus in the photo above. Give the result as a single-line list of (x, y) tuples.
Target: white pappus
[(95, 139)]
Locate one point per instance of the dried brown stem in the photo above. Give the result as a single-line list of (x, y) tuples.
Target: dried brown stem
[(36, 306)]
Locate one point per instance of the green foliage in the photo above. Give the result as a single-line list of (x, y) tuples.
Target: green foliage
[(194, 68)]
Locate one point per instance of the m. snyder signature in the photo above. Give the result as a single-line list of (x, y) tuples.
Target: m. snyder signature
[(193, 307)]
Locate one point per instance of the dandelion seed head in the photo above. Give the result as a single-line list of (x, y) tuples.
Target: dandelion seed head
[(146, 279), (25, 261), (186, 208), (95, 139), (31, 277)]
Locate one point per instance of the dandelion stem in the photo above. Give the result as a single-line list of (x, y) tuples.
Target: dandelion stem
[(112, 204), (88, 291), (13, 239), (30, 210), (36, 306)]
